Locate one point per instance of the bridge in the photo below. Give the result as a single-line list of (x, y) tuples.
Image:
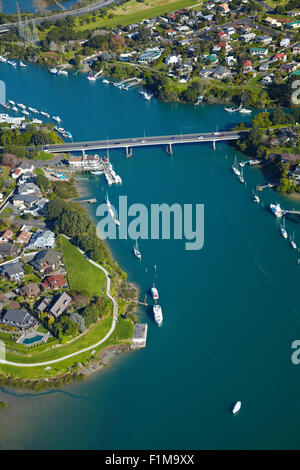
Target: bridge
[(128, 143)]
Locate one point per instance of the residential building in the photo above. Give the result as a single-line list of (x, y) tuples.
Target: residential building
[(247, 65), (42, 239), (285, 42), (30, 290), (57, 281), (149, 55), (13, 271), (6, 236), (46, 260), (24, 237), (19, 318), (60, 305), (8, 249)]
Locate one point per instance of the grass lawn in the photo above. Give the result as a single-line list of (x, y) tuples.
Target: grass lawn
[(82, 275), (134, 11), (123, 331), (44, 156)]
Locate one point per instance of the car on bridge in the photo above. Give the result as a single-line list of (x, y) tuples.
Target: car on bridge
[(200, 137)]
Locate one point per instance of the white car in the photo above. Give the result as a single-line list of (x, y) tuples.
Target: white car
[(200, 137)]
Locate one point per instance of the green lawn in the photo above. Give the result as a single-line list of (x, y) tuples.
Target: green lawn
[(134, 11), (82, 275)]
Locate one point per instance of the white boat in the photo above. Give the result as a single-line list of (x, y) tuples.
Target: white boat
[(235, 170), (107, 201), (245, 111), (158, 316), (56, 118), (136, 251), (33, 110), (118, 179), (116, 220), (293, 243), (154, 293), (25, 112), (231, 110), (105, 81), (54, 71), (22, 106), (45, 114), (91, 78), (62, 72), (276, 209), (2, 59), (283, 230), (6, 105), (147, 96), (96, 172), (108, 179), (11, 102), (256, 198), (22, 64), (14, 108), (12, 62), (241, 178), (236, 407)]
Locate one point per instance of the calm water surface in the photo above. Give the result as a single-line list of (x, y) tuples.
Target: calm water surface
[(231, 310)]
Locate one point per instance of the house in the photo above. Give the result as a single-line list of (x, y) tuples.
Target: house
[(30, 290), (46, 260), (248, 37), (42, 239), (230, 60), (8, 249), (273, 22), (149, 55), (222, 35), (296, 173), (57, 281), (267, 80), (260, 51), (285, 42), (280, 56), (19, 318), (264, 39), (13, 271), (60, 305), (86, 162), (293, 13), (247, 65), (204, 73), (6, 236), (22, 201), (224, 8), (28, 188), (289, 68), (42, 306), (172, 59), (220, 72), (294, 24), (264, 67), (16, 173), (24, 167), (296, 50), (24, 237)]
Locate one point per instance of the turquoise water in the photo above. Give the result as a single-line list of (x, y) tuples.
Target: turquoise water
[(9, 6), (32, 340), (231, 310)]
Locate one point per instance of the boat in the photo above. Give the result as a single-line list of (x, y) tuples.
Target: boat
[(22, 64), (157, 312), (33, 110), (14, 108), (54, 71), (11, 102), (62, 72), (231, 110), (116, 220), (245, 110), (276, 209), (6, 105), (293, 243), (136, 251), (56, 118), (108, 179), (96, 172), (12, 62), (241, 178), (283, 230), (256, 198), (118, 179), (154, 293), (105, 81), (236, 407), (22, 106), (25, 112), (147, 96), (2, 59), (236, 171), (91, 77), (45, 114)]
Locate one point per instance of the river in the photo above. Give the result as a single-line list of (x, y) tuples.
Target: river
[(231, 309)]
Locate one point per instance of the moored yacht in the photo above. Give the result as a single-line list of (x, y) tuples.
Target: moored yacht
[(283, 230), (54, 71), (154, 293), (241, 178), (235, 169), (256, 198), (236, 407), (245, 111), (56, 118), (231, 110), (22, 64), (105, 80), (11, 102), (147, 96), (276, 209), (45, 114), (22, 106), (158, 317), (91, 77), (293, 243), (136, 251)]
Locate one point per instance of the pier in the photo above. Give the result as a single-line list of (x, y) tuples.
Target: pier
[(290, 212), (166, 141), (266, 186), (139, 336), (90, 201)]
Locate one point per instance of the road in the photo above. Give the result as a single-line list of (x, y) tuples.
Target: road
[(143, 141), (89, 348), (64, 14)]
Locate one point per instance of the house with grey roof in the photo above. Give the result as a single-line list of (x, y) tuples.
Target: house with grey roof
[(28, 188), (8, 249), (42, 239), (14, 271), (46, 260), (19, 318), (60, 305)]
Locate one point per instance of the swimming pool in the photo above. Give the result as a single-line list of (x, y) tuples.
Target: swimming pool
[(34, 339)]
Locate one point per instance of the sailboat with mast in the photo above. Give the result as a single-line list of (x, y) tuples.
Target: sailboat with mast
[(293, 243), (235, 169), (136, 251), (283, 230), (241, 178)]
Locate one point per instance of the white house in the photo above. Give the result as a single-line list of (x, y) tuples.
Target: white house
[(172, 59), (285, 42)]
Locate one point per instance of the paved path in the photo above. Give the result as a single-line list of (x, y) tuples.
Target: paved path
[(115, 313)]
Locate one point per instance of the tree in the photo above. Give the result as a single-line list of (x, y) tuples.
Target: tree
[(9, 159)]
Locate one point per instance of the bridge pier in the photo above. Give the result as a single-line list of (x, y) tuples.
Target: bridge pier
[(128, 152), (214, 144), (169, 149)]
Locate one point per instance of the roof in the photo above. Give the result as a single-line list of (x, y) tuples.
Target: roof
[(45, 257), (11, 269), (8, 249), (24, 236), (60, 305), (18, 317), (246, 63), (31, 289), (8, 234), (54, 282)]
